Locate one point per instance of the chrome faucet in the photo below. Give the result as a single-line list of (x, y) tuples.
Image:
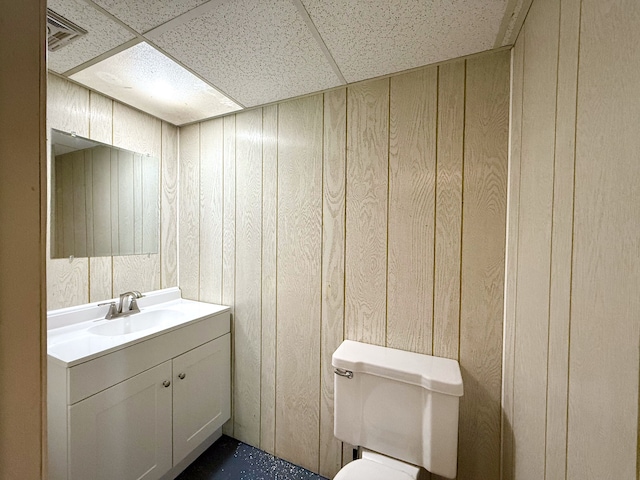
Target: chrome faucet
[(119, 311)]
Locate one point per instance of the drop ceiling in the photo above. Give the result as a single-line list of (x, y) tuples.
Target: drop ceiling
[(261, 51)]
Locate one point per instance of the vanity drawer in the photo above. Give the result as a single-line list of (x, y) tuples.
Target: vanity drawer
[(91, 377)]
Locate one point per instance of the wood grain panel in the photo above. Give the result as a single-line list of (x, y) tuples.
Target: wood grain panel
[(561, 241), (229, 240), (269, 235), (299, 280), (138, 214), (603, 378), (151, 178), (211, 193), (136, 131), (189, 211), (67, 282), (511, 259), (67, 110), (100, 279), (534, 238), (100, 118), (333, 229), (484, 209), (79, 205), (446, 299), (247, 325), (411, 230), (64, 175), (169, 207), (136, 272), (366, 211), (67, 106), (124, 199)]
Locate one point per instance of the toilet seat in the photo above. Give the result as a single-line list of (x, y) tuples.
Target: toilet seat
[(364, 469)]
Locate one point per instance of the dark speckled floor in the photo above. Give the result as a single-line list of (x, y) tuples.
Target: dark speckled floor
[(229, 459)]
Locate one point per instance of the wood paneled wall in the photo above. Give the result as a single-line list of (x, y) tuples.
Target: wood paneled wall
[(72, 108), (374, 212), (572, 322)]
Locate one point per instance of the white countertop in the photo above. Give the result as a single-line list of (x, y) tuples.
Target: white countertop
[(71, 342)]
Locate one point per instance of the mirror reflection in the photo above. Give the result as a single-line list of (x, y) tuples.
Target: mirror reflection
[(105, 200)]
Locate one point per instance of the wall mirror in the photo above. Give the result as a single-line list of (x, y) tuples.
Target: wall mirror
[(104, 200)]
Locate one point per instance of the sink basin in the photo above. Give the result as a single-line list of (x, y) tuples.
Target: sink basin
[(135, 323)]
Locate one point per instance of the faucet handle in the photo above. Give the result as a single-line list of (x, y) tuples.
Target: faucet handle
[(112, 312)]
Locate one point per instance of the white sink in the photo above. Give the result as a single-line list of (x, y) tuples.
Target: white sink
[(136, 322)]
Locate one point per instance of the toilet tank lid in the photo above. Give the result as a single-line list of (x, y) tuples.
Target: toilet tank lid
[(437, 374)]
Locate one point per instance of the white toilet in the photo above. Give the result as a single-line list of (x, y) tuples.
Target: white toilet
[(400, 407)]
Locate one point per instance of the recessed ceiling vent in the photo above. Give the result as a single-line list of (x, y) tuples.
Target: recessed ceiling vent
[(61, 31)]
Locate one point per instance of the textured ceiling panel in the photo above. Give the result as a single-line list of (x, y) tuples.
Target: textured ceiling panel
[(144, 78), (256, 52), (143, 15), (103, 35), (377, 37)]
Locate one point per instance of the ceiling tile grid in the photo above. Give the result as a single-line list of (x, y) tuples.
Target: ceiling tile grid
[(144, 15), (255, 51), (378, 37), (103, 35)]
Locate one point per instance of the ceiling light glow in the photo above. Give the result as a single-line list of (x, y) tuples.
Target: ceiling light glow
[(144, 78)]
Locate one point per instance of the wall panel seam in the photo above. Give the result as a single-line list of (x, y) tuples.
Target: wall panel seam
[(573, 216)]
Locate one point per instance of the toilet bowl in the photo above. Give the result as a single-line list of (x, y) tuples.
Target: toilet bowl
[(374, 466)]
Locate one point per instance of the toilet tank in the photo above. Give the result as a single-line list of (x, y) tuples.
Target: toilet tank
[(401, 404)]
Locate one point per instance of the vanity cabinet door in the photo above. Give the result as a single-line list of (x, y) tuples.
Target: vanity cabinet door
[(123, 432), (201, 394)]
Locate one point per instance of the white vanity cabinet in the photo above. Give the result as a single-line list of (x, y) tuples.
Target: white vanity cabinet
[(144, 411)]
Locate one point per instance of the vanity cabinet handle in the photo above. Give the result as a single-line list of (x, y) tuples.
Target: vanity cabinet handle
[(182, 375), (166, 383)]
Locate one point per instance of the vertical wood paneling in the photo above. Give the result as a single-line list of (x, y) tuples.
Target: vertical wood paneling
[(446, 299), (299, 249), (561, 241), (141, 133), (136, 272), (67, 110), (100, 278), (151, 178), (125, 217), (229, 239), (511, 259), (484, 209), (311, 215), (138, 214), (333, 230), (73, 108), (67, 106), (100, 118), (412, 172), (169, 207), (211, 193), (79, 205), (534, 238), (603, 377), (269, 235), (366, 211), (100, 267), (247, 324), (189, 211)]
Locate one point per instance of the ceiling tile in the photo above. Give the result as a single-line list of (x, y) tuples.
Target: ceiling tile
[(103, 35), (378, 37), (256, 52), (143, 15), (146, 79)]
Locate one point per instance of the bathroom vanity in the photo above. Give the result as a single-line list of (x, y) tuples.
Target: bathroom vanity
[(138, 397)]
